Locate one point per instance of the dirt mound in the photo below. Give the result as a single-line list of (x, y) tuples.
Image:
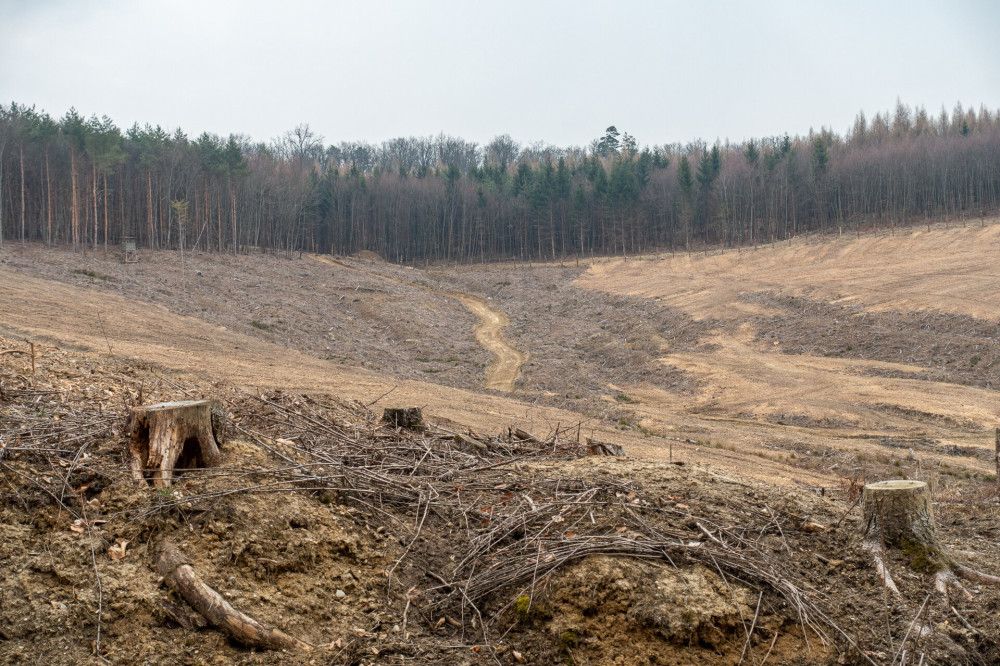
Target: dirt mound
[(607, 608)]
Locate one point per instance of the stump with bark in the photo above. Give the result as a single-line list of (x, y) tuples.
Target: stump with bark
[(172, 436), (898, 514), (596, 447), (411, 418)]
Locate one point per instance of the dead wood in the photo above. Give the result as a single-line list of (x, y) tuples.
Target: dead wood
[(596, 447), (471, 441), (525, 436), (172, 435), (898, 514), (183, 616), (411, 418), (182, 579)]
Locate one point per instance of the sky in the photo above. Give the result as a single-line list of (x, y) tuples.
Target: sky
[(558, 72)]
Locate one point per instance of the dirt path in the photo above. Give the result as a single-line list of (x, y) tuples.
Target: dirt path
[(505, 368)]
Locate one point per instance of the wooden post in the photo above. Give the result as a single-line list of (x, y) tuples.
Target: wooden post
[(996, 455), (33, 365)]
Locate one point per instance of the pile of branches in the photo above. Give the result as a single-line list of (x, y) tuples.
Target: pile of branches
[(47, 436), (514, 530), (511, 527)]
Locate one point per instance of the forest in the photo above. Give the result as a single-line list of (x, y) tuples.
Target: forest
[(87, 183)]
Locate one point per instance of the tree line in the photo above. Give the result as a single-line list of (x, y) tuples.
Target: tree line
[(86, 183)]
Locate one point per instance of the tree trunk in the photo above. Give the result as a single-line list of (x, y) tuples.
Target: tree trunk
[(104, 178), (232, 213), (151, 241), (174, 435), (898, 514), (93, 191), (48, 192), (75, 213), (22, 195)]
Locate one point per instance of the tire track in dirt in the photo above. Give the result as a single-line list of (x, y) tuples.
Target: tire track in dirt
[(505, 368)]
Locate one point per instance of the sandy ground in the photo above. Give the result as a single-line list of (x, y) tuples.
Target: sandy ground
[(754, 394)]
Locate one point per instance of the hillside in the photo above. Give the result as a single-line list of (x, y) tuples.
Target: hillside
[(781, 379)]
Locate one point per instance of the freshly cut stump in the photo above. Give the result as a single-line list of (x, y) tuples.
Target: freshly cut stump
[(172, 435), (898, 514)]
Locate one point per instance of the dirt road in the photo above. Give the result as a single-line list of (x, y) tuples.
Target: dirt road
[(505, 368)]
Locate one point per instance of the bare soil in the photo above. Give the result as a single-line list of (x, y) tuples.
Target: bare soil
[(782, 378)]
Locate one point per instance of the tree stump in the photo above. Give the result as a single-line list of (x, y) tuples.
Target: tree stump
[(173, 435), (898, 514), (596, 447), (411, 418)]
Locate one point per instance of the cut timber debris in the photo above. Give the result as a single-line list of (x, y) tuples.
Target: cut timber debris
[(596, 447), (180, 576), (525, 436), (898, 514), (173, 435), (411, 418)]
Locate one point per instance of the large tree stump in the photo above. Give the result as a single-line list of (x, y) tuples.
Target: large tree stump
[(172, 435), (898, 514)]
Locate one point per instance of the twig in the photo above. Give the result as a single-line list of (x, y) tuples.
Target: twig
[(753, 625), (97, 575), (908, 630)]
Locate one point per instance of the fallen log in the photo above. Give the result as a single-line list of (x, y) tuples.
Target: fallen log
[(525, 436), (478, 446), (182, 579)]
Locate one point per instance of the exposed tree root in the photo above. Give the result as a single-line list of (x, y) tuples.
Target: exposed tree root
[(877, 553), (180, 576)]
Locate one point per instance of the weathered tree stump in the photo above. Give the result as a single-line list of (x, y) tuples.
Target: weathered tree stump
[(182, 579), (898, 514), (173, 435), (411, 418), (596, 447)]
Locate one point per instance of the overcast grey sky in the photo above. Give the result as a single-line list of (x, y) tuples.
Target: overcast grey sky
[(559, 71)]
